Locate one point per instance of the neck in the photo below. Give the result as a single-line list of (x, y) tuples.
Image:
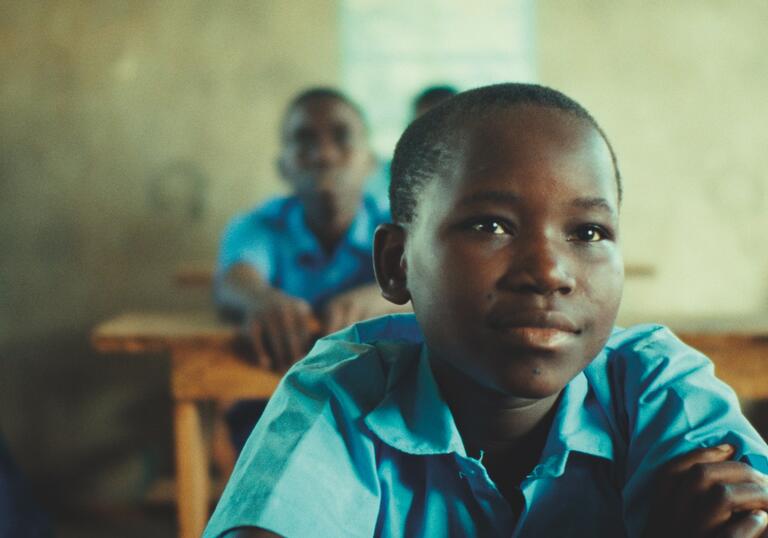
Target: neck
[(329, 233), (507, 431), (329, 219), (490, 421)]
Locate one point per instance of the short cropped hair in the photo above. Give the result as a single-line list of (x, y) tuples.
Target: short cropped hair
[(323, 92), (427, 147)]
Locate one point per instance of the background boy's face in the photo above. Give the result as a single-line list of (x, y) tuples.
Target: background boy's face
[(325, 155), (513, 264)]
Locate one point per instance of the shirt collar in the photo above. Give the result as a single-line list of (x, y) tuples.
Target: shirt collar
[(304, 240), (414, 418), (579, 426), (359, 235)]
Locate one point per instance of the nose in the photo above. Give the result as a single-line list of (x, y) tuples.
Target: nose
[(540, 266), (325, 153)]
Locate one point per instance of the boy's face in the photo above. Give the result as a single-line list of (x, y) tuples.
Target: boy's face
[(325, 155), (513, 264)]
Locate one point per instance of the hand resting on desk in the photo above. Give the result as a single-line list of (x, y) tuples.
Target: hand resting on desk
[(357, 304), (282, 328)]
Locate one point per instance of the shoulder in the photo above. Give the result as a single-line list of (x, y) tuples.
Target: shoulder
[(642, 338), (311, 449), (648, 350), (273, 213), (353, 365), (662, 399), (666, 394), (392, 327), (647, 364), (350, 369)]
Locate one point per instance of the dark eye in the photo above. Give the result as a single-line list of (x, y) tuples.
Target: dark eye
[(342, 136), (304, 137), (589, 233), (491, 226)]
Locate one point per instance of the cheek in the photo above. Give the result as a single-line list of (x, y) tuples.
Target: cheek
[(604, 288), (458, 291), (355, 158)]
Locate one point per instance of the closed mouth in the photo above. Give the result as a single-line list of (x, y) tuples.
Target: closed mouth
[(542, 321)]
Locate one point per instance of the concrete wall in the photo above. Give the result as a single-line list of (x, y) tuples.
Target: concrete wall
[(129, 133), (680, 88)]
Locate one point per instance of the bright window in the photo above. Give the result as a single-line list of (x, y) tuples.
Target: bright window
[(393, 49)]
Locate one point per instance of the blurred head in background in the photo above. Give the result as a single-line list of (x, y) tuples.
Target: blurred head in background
[(432, 96), (325, 155)]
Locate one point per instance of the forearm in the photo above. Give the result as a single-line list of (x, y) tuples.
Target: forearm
[(241, 289)]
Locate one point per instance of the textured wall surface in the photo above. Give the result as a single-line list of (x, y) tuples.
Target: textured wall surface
[(681, 88), (129, 133)]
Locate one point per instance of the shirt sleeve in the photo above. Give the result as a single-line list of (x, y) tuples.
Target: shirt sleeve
[(248, 239), (675, 404), (308, 468)]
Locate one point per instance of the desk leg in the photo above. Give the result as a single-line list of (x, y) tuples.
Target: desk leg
[(192, 480)]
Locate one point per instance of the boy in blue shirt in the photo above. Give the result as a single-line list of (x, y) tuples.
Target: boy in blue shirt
[(299, 266), (508, 404)]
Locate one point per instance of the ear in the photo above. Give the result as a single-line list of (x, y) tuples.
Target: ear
[(280, 167), (372, 160), (389, 263)]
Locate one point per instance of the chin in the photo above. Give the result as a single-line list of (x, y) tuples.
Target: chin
[(533, 383)]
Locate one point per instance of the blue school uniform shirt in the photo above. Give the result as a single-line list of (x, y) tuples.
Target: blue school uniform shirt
[(377, 184), (358, 442), (275, 240)]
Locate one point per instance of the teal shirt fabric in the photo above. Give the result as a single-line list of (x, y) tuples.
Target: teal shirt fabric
[(358, 442), (275, 240), (377, 184)]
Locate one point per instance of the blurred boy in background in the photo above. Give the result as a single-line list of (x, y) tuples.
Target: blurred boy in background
[(299, 266)]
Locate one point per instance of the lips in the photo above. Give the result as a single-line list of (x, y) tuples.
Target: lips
[(540, 319), (541, 329)]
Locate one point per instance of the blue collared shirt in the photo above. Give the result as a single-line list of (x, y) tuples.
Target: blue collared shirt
[(358, 442), (377, 184), (275, 240)]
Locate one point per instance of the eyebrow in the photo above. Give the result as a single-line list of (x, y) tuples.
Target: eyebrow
[(513, 199), (593, 203)]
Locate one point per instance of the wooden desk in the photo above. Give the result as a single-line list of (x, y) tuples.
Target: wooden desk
[(194, 275), (203, 367)]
